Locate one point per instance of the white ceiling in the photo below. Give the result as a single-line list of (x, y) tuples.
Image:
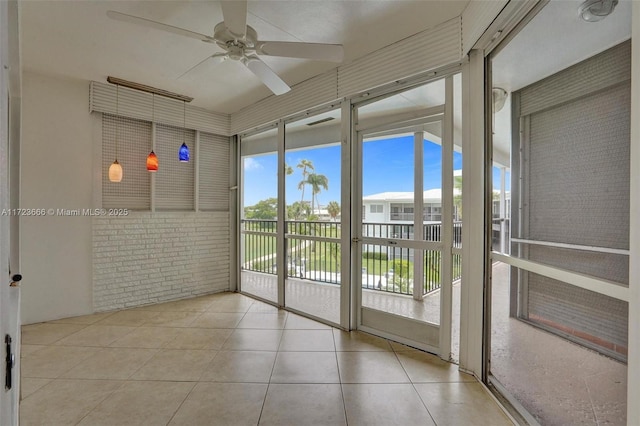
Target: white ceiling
[(76, 39), (555, 39)]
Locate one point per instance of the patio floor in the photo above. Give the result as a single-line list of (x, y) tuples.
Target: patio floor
[(557, 381), (228, 359), (323, 301)]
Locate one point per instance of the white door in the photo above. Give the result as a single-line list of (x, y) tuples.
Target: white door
[(405, 226), (9, 295)]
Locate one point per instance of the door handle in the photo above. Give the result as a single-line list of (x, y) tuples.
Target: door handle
[(10, 363), (15, 280)]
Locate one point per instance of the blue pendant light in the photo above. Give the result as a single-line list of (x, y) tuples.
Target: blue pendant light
[(183, 152)]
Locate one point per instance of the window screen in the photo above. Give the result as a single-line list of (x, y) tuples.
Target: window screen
[(579, 180), (574, 190), (174, 179), (134, 144), (214, 169)]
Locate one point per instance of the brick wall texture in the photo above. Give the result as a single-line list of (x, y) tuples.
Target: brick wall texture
[(146, 258)]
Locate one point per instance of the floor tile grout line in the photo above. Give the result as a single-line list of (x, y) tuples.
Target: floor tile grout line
[(424, 404), (344, 403), (413, 386), (157, 350), (264, 401), (183, 401), (102, 400), (70, 334)]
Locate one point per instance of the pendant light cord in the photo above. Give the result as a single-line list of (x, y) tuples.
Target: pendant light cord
[(184, 120), (117, 118)]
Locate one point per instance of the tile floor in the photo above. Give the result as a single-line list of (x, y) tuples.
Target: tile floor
[(227, 359)]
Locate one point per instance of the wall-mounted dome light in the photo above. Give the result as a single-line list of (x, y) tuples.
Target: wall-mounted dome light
[(596, 10), (499, 98)]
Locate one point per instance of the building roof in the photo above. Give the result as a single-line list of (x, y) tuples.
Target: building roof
[(430, 195)]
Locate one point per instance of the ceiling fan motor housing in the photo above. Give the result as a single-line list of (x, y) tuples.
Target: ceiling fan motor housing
[(234, 45)]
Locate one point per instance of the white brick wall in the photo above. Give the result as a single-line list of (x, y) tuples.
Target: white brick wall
[(147, 257)]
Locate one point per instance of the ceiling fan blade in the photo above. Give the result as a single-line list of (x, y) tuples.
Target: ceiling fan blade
[(158, 26), (316, 51), (209, 62), (266, 74), (235, 16)]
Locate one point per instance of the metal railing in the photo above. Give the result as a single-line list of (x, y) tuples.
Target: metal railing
[(313, 252), (258, 245)]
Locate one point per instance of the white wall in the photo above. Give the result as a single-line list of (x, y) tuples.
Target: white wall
[(57, 161)]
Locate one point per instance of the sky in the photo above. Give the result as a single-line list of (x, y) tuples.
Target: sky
[(387, 167)]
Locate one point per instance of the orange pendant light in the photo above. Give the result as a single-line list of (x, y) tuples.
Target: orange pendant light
[(152, 162)]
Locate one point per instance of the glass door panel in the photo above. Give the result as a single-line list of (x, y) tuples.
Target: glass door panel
[(259, 213), (313, 222), (400, 251), (560, 219)]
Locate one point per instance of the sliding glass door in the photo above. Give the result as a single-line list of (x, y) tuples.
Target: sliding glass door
[(356, 225), (313, 216), (258, 215), (405, 218)]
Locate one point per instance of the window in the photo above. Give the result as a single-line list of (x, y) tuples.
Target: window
[(376, 208)]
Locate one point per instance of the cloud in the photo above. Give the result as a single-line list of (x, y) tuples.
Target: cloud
[(252, 164)]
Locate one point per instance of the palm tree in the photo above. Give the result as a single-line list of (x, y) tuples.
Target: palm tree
[(333, 208), (304, 165), (317, 182), (457, 197)]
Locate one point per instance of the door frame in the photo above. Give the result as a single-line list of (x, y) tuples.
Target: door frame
[(10, 122), (413, 121)]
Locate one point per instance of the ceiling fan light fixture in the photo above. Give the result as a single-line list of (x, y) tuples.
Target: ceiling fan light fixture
[(596, 10), (240, 42)]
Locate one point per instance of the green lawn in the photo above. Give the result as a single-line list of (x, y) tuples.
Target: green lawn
[(325, 256)]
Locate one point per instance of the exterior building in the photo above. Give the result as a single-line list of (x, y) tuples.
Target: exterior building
[(398, 208)]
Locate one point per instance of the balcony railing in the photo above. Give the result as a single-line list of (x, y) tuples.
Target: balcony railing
[(313, 252)]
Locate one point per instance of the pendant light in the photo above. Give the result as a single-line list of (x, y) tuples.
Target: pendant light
[(152, 158), (115, 170), (152, 162), (183, 152)]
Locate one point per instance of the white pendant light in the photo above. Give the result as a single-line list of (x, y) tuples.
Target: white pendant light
[(115, 170)]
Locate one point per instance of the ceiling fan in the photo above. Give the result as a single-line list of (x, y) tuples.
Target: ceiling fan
[(240, 43)]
